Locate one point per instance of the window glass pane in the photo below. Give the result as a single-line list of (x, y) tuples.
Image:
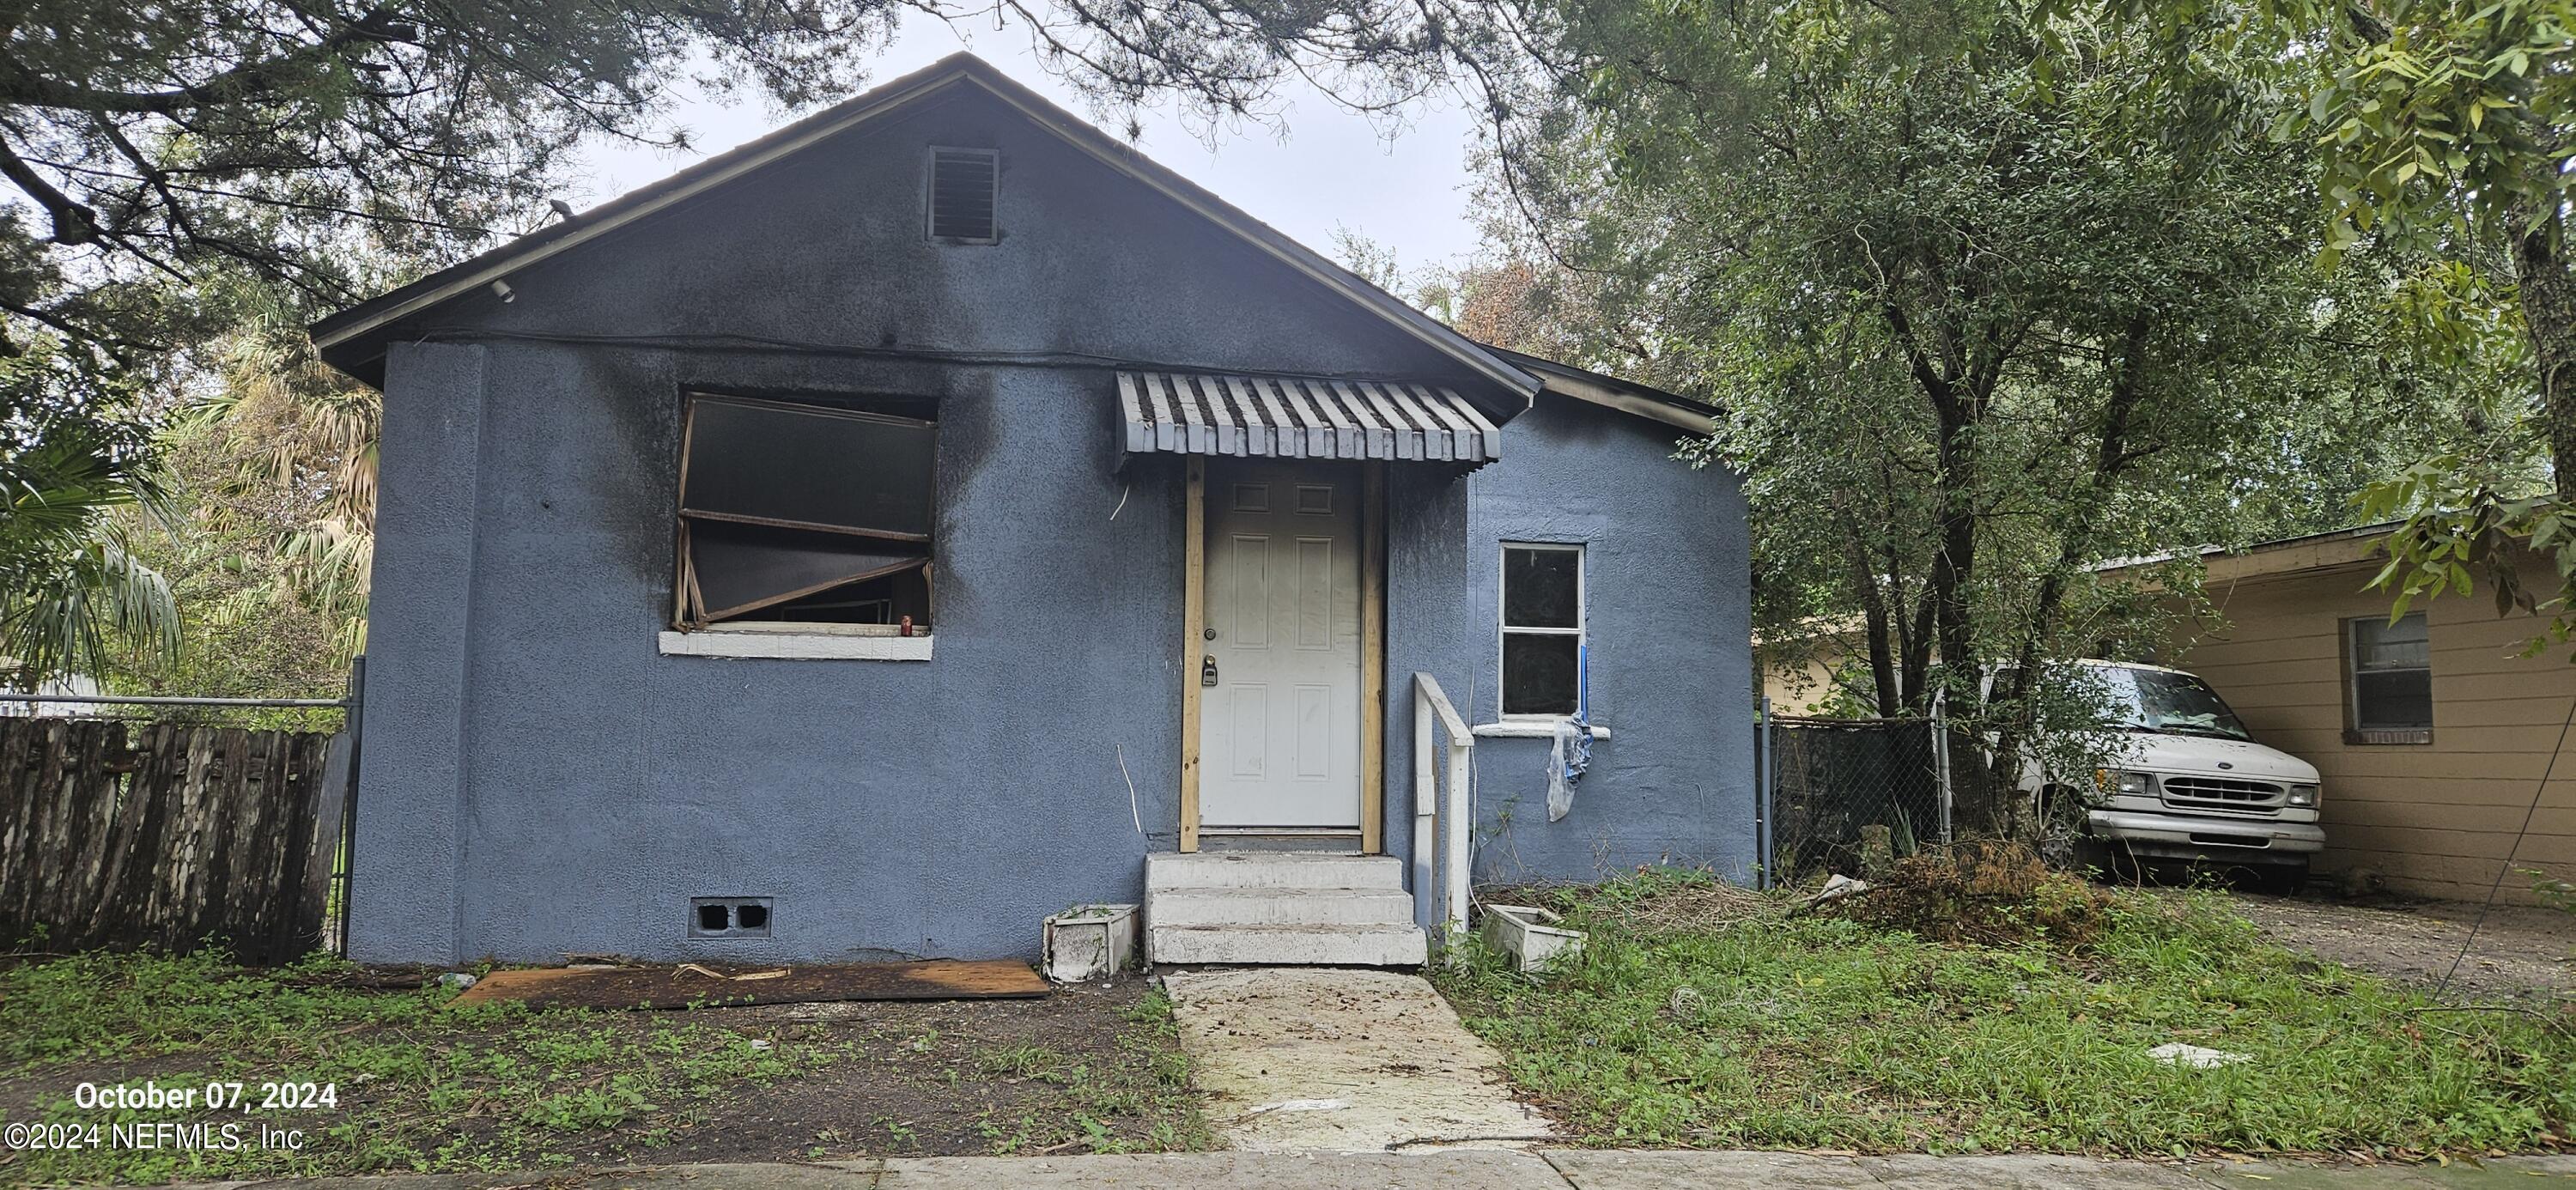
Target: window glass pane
[(2378, 644), (1539, 588), (811, 466), (742, 569), (2396, 699), (1538, 674)]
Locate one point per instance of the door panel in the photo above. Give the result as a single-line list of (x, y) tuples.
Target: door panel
[(1279, 735)]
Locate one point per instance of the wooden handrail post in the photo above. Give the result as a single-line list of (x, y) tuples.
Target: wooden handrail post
[(1442, 815)]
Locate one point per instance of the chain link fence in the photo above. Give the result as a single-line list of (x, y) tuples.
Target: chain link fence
[(1835, 784)]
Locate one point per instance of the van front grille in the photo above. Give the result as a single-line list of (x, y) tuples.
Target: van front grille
[(2222, 793)]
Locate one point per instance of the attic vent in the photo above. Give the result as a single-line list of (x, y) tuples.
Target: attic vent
[(963, 186)]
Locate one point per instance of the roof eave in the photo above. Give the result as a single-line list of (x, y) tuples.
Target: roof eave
[(1626, 396)]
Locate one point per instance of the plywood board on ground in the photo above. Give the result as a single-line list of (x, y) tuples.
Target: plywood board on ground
[(711, 985)]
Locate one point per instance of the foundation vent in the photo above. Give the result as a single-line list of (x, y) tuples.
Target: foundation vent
[(729, 917)]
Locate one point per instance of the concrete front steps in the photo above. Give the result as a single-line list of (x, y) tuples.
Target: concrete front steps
[(1279, 908)]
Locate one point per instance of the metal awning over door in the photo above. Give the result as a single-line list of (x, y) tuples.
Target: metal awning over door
[(1293, 417)]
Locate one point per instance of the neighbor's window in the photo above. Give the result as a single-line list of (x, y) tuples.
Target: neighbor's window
[(2391, 678), (1542, 628), (805, 513)]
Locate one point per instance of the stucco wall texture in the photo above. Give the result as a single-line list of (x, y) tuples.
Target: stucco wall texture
[(1667, 623), (538, 779)]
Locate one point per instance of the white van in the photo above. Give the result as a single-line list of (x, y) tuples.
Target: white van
[(2190, 783)]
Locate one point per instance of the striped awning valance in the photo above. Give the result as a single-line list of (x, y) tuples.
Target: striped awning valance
[(1293, 417)]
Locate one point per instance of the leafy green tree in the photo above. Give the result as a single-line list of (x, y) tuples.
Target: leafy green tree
[(2448, 130), (183, 170), (1971, 301), (2453, 126), (165, 147), (73, 596), (1989, 297), (268, 532)]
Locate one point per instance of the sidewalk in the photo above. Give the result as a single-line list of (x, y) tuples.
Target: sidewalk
[(1334, 1060), (1552, 1169)]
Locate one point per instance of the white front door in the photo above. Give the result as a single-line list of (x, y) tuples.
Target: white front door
[(1279, 731)]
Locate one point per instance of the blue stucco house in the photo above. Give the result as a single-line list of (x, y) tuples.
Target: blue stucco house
[(935, 515)]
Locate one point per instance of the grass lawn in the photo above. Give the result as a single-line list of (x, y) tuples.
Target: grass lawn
[(1814, 1032), (419, 1086)]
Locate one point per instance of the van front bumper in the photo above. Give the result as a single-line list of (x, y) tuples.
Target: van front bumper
[(2184, 836)]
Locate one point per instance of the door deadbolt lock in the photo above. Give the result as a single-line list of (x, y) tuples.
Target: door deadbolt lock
[(1207, 670)]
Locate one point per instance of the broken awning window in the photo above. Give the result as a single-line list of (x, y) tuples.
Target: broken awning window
[(1292, 417), (804, 512), (808, 467)]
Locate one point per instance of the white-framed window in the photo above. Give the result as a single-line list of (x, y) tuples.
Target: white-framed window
[(1542, 629), (2388, 678)]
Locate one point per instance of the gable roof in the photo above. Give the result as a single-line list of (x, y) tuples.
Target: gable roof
[(353, 339)]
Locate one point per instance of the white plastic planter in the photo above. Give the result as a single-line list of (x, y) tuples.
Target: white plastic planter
[(1529, 935), (1090, 942)]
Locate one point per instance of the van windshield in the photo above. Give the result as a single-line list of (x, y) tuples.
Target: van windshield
[(2157, 700)]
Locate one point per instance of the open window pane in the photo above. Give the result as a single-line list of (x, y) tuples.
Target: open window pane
[(769, 463), (1538, 674), (740, 569), (1542, 588)]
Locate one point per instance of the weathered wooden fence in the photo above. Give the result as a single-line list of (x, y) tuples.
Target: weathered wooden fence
[(116, 834)]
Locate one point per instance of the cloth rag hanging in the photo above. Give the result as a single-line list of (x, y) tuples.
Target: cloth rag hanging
[(1572, 751)]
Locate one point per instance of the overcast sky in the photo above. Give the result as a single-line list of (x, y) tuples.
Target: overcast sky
[(1328, 168)]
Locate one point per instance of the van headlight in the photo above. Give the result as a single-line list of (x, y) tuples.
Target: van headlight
[(2303, 795), (2123, 782)]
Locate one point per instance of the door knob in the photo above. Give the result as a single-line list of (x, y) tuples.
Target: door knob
[(1207, 670)]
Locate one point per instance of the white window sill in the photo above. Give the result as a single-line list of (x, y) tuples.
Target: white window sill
[(796, 646), (1529, 729)]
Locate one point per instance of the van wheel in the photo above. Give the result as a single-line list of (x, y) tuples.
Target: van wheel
[(2059, 808), (2287, 880), (2096, 859)]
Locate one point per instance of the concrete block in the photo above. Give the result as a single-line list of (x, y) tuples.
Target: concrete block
[(1089, 942), (1530, 935)]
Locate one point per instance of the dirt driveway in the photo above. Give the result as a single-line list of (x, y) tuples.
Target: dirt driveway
[(2522, 950)]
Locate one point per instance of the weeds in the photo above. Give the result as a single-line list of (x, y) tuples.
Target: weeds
[(1981, 891), (424, 1087), (1777, 1030)]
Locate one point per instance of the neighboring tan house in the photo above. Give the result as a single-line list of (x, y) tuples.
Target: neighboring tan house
[(936, 515), (2431, 734)]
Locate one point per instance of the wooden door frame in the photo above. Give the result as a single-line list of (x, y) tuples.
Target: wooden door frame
[(1372, 649)]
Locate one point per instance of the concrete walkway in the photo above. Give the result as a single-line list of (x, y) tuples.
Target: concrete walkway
[(1299, 1059), (1555, 1169)]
